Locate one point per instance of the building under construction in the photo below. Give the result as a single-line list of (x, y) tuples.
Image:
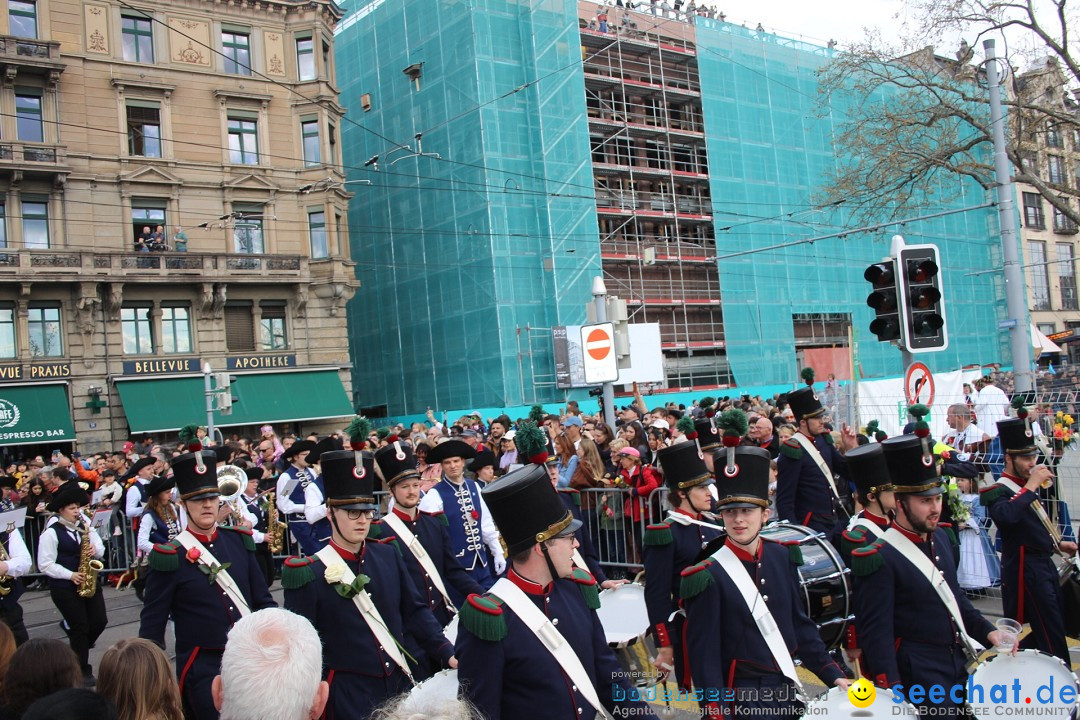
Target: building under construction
[(648, 151)]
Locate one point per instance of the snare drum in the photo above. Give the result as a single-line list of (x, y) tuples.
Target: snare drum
[(835, 704), (1036, 671), (626, 622), (435, 695), (825, 580)]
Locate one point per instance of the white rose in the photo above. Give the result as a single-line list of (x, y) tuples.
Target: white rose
[(334, 574)]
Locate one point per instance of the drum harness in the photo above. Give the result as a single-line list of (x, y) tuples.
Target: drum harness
[(809, 447), (417, 549), (936, 578), (687, 521)]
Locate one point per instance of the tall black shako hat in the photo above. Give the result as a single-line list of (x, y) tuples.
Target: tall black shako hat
[(527, 509), (347, 486), (869, 469), (804, 402), (745, 485), (907, 460), (1016, 436), (395, 463), (684, 466), (196, 475)]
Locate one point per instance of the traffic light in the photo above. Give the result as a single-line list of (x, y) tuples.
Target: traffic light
[(923, 299), (225, 398), (888, 324)]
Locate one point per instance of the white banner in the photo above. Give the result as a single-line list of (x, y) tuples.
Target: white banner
[(884, 401)]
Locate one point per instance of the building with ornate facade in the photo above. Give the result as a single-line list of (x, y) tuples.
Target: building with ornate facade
[(170, 194)]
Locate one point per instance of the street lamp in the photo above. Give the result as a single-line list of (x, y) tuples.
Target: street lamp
[(329, 184)]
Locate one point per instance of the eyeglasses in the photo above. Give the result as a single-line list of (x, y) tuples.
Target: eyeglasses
[(357, 514)]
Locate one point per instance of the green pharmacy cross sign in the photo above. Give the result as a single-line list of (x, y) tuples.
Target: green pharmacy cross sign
[(95, 404)]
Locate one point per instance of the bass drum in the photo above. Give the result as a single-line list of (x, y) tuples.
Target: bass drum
[(625, 620), (436, 695), (825, 580), (1041, 678)]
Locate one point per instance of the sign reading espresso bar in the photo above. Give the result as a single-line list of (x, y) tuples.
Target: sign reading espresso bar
[(35, 371)]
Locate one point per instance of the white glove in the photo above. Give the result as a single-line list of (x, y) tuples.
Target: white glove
[(500, 564)]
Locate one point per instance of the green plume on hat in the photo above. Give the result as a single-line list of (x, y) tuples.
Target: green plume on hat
[(359, 428), (807, 375), (383, 433), (872, 427), (536, 414), (733, 423), (707, 402), (530, 442), (189, 433), (686, 426), (919, 412)]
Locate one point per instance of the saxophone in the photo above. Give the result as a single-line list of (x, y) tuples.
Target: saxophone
[(275, 529), (88, 565)]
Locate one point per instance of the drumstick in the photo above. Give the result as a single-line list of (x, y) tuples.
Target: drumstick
[(858, 670)]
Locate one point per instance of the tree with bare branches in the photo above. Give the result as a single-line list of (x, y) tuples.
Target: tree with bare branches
[(919, 121)]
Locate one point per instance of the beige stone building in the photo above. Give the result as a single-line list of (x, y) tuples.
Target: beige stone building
[(217, 122), (1048, 237)]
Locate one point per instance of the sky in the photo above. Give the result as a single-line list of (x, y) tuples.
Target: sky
[(842, 20)]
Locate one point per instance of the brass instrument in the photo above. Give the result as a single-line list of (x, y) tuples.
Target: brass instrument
[(231, 483), (6, 581), (275, 529), (89, 566)]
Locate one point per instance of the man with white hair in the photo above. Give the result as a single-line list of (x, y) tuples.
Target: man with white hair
[(271, 669)]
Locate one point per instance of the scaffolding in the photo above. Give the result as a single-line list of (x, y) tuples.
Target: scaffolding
[(653, 201)]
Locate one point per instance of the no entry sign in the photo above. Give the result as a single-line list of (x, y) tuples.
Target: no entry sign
[(598, 345)]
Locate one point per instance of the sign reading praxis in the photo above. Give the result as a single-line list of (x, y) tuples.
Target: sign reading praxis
[(598, 356)]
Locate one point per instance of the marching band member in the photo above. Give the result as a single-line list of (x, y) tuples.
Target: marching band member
[(472, 533), (162, 519), (292, 498), (60, 556), (534, 644), (811, 484), (205, 579), (874, 492), (261, 515), (1030, 589), (915, 624), (744, 616), (17, 565), (358, 595), (674, 545)]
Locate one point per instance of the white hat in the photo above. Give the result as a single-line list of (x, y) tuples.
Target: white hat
[(658, 423), (509, 435)]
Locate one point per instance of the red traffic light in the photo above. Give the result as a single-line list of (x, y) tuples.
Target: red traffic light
[(921, 271), (880, 274)]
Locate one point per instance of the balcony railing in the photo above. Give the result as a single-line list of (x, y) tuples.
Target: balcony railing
[(168, 264), (27, 49), (23, 155)]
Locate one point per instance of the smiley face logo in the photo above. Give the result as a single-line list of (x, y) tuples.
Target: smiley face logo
[(861, 693)]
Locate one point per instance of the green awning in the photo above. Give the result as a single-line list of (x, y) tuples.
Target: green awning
[(161, 403), (35, 414)]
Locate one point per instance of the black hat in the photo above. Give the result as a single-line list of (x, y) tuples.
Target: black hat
[(139, 465), (527, 509), (223, 453), (347, 486), (67, 494), (1016, 437), (325, 445), (481, 460), (908, 468), (708, 436), (296, 448), (254, 473), (868, 469), (805, 404), (159, 483), (449, 449), (192, 481), (395, 463), (748, 486), (684, 466)]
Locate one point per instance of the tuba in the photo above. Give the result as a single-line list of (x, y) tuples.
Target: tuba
[(231, 482), (89, 566)]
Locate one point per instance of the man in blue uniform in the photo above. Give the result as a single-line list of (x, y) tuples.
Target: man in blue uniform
[(744, 615), (205, 579), (674, 545), (506, 668), (293, 488), (811, 485), (472, 534), (1029, 579), (907, 631), (358, 595)]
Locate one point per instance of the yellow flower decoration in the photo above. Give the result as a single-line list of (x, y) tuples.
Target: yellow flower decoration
[(1060, 414), (1068, 419)]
